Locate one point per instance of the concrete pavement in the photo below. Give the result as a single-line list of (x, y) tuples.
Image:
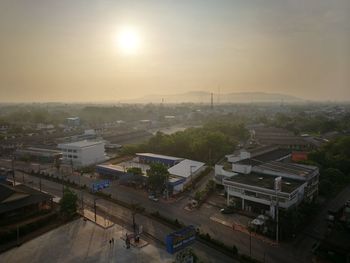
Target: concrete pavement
[(123, 217), (83, 241), (199, 218)]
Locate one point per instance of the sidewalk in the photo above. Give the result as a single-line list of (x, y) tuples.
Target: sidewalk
[(100, 220)]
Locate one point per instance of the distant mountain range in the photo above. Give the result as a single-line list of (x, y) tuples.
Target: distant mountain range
[(205, 97)]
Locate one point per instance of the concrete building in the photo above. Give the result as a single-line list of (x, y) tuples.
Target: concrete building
[(83, 153), (38, 155), (243, 160), (73, 121), (249, 180), (283, 138)]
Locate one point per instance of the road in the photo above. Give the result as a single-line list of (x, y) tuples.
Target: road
[(199, 218), (316, 229), (297, 251), (151, 226)]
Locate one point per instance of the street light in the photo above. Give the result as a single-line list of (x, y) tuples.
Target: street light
[(191, 174)]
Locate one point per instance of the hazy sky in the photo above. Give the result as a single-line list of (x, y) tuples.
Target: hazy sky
[(66, 50)]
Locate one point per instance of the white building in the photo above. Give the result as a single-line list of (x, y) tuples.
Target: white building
[(255, 191), (249, 176), (83, 153), (187, 169)]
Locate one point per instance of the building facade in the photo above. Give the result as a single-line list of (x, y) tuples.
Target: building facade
[(249, 180), (83, 153)]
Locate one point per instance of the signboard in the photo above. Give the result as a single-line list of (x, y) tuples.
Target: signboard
[(180, 239), (278, 184), (100, 185)]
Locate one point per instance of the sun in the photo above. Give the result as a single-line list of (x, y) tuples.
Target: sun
[(128, 41)]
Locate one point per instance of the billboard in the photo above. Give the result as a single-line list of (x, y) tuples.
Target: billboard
[(180, 239), (100, 185)]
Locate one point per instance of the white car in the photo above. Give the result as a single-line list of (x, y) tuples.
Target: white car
[(153, 198)]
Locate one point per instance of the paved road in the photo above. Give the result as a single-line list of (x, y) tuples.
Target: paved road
[(199, 218), (151, 226), (299, 251)]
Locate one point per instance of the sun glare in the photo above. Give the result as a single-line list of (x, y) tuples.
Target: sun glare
[(128, 41)]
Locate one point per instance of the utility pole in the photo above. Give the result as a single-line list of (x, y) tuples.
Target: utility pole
[(13, 170), (39, 178), (17, 235), (167, 185), (278, 185), (250, 243), (191, 174), (82, 192), (95, 209), (277, 219)]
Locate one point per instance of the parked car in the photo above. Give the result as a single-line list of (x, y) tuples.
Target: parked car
[(227, 210), (153, 198)]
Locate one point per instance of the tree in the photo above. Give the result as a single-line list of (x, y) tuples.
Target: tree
[(134, 170), (68, 204), (157, 175)]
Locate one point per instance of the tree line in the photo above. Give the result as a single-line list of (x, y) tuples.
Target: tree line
[(208, 143)]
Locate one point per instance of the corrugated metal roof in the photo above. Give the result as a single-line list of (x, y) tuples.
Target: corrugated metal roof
[(185, 168), (160, 156)]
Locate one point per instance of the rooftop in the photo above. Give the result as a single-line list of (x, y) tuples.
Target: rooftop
[(111, 167), (288, 168), (265, 181), (160, 156), (39, 150), (273, 155), (185, 168), (12, 198), (80, 144)]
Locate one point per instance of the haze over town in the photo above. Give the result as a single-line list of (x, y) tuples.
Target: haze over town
[(122, 50), (202, 131)]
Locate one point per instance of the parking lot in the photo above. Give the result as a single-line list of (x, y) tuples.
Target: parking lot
[(83, 241)]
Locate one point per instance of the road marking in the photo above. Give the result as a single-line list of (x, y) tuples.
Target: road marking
[(223, 222)]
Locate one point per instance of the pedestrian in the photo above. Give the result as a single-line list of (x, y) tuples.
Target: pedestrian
[(110, 243), (113, 241)]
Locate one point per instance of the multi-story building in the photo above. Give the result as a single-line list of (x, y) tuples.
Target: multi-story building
[(249, 178), (83, 153)]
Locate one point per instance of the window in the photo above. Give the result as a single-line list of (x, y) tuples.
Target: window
[(69, 156)]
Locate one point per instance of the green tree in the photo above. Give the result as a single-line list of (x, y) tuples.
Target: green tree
[(157, 175), (68, 204), (134, 170)]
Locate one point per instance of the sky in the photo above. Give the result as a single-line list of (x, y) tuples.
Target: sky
[(69, 51)]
